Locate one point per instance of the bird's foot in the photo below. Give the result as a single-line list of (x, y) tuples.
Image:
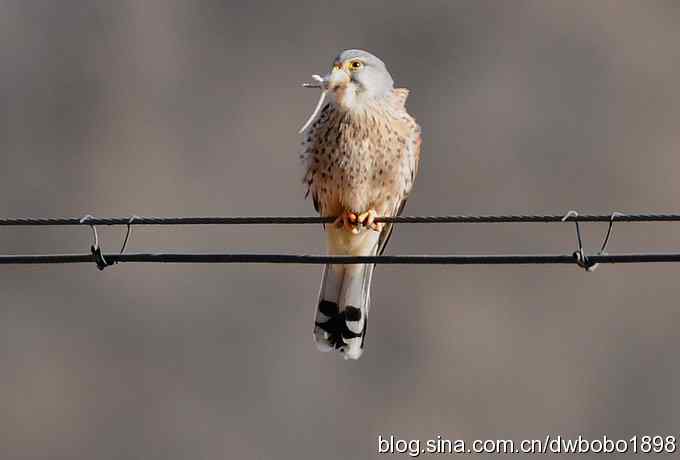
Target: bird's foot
[(348, 221), (367, 219)]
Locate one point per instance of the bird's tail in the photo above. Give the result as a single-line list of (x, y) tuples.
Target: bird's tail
[(341, 314)]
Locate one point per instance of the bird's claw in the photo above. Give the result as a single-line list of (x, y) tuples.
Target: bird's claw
[(352, 222), (348, 221), (368, 220)]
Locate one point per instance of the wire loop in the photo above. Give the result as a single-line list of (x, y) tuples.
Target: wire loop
[(127, 234), (609, 231), (580, 257), (95, 249)]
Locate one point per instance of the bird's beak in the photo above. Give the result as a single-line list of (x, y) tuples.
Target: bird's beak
[(338, 77)]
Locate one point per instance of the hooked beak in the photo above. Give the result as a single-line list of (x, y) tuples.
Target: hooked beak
[(338, 77)]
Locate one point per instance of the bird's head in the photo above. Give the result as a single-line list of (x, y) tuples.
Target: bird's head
[(356, 78)]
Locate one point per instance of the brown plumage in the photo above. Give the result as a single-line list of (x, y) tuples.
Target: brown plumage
[(361, 155)]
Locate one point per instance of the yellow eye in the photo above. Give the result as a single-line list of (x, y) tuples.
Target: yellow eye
[(355, 65)]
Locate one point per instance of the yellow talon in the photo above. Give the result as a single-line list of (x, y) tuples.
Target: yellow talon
[(348, 221), (368, 220)]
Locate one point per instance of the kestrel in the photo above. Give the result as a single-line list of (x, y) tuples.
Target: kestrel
[(361, 150)]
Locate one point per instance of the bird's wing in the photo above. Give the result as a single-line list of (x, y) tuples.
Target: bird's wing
[(411, 130), (400, 95), (310, 145), (386, 232)]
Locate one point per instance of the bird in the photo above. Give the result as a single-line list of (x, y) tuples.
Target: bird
[(360, 152)]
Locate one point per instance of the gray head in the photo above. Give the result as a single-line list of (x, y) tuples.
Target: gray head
[(358, 77)]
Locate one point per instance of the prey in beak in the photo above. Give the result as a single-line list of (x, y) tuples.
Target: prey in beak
[(338, 77), (335, 81)]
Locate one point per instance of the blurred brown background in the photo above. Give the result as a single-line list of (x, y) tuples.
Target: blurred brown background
[(183, 107)]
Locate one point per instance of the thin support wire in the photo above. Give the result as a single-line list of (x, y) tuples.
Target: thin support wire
[(127, 234), (95, 249), (609, 231)]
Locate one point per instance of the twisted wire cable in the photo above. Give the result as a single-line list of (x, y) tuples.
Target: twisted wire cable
[(450, 219)]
